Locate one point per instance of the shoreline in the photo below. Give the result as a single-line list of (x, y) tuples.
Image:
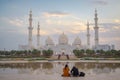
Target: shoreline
[(83, 61)]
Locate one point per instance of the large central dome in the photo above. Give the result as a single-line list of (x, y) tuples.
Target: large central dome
[(63, 39)]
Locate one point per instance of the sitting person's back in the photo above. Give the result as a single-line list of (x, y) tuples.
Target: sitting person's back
[(66, 71), (74, 71)]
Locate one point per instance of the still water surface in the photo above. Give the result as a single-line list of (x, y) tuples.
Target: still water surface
[(53, 71)]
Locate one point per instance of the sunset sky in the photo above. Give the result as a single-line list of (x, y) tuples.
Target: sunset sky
[(56, 17)]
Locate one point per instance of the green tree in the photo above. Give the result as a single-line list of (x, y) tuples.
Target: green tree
[(36, 53), (47, 53), (90, 53), (113, 53), (78, 53), (118, 53)]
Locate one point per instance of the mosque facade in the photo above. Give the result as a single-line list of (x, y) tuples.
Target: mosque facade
[(63, 46)]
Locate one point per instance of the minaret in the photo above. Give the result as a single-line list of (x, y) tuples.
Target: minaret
[(88, 35), (30, 28), (38, 36), (96, 29)]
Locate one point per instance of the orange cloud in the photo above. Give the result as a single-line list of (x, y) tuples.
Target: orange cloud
[(42, 32), (55, 14), (117, 20), (66, 25)]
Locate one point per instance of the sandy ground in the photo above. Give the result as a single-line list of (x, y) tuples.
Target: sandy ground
[(37, 75)]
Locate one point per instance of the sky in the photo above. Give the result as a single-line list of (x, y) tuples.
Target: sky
[(56, 17)]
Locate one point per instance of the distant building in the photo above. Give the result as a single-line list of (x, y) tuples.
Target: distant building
[(104, 47), (98, 46), (63, 45)]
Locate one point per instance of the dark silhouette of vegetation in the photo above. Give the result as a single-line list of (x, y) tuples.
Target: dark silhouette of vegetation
[(97, 54), (21, 53), (26, 53), (47, 53), (78, 53)]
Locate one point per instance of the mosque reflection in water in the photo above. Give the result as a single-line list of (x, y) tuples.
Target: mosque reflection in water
[(56, 67)]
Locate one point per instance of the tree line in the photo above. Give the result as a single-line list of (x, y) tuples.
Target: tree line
[(26, 53), (48, 53), (97, 54)]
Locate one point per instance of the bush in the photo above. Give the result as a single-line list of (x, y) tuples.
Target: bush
[(47, 53), (78, 53)]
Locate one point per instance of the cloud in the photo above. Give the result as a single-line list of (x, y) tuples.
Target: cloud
[(57, 31), (78, 27), (13, 25), (17, 22), (102, 29), (110, 26), (117, 20), (100, 2), (43, 32), (67, 26), (117, 27), (55, 14), (109, 39)]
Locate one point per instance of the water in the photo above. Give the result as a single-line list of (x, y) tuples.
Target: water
[(53, 71)]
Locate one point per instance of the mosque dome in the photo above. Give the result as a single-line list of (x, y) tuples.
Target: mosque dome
[(63, 39), (49, 41), (77, 41)]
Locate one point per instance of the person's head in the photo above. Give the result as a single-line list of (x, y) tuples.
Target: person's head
[(74, 66), (66, 66)]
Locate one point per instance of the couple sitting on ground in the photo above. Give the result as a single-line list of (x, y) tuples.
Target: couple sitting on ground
[(74, 72)]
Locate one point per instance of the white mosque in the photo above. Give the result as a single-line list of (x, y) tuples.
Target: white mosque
[(63, 45)]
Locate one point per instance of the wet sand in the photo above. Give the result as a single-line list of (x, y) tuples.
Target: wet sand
[(41, 71)]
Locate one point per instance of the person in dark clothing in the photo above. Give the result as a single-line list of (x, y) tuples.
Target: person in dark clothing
[(74, 72)]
